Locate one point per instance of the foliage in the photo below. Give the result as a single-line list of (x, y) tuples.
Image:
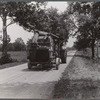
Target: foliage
[(10, 47), (30, 16), (82, 42), (28, 43), (7, 9), (87, 21), (19, 45), (58, 22), (48, 20), (6, 59), (15, 12)]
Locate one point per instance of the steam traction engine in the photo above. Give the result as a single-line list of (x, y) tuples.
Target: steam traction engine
[(46, 50)]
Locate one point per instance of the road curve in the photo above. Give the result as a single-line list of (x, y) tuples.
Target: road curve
[(19, 82)]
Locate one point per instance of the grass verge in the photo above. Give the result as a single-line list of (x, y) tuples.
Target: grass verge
[(79, 80), (19, 57)]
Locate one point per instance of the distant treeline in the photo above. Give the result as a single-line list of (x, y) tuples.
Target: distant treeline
[(14, 47), (18, 45)]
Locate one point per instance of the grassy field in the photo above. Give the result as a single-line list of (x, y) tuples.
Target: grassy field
[(20, 57)]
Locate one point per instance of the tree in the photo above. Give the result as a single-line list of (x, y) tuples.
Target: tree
[(16, 12), (10, 47), (82, 42), (87, 18), (19, 45), (48, 20), (7, 11), (57, 22), (31, 17)]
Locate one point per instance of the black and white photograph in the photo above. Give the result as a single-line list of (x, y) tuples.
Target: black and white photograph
[(49, 49)]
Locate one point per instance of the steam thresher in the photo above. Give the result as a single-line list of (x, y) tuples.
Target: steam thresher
[(46, 49)]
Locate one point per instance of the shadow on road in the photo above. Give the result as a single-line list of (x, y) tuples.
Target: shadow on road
[(37, 68)]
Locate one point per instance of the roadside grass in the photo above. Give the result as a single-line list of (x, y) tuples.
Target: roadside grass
[(61, 87), (77, 81), (19, 57), (77, 89)]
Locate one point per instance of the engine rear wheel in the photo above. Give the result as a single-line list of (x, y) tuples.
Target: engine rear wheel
[(57, 67), (64, 60), (29, 65)]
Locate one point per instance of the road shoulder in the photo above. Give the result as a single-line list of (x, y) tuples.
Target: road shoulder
[(81, 79)]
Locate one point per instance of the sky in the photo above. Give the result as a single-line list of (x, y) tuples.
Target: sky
[(15, 31)]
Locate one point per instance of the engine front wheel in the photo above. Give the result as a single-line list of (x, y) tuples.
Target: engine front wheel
[(57, 63)]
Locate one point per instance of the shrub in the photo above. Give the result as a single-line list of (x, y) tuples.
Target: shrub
[(6, 59), (24, 60)]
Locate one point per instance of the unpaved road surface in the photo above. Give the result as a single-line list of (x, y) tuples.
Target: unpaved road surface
[(19, 82)]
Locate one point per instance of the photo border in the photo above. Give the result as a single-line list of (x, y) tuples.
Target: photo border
[(48, 1)]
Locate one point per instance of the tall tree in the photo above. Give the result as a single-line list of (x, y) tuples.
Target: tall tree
[(19, 12), (7, 9), (48, 20), (58, 22), (87, 18), (31, 16)]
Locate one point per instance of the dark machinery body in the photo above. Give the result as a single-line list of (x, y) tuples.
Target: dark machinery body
[(46, 51)]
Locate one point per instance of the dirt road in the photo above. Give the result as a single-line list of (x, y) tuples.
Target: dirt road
[(19, 82)]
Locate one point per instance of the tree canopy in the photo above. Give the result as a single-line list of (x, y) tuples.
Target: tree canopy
[(87, 20), (32, 17)]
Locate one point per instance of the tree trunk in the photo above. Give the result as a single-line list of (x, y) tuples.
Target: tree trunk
[(93, 41), (4, 48)]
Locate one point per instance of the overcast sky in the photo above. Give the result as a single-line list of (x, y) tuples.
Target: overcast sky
[(16, 31)]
